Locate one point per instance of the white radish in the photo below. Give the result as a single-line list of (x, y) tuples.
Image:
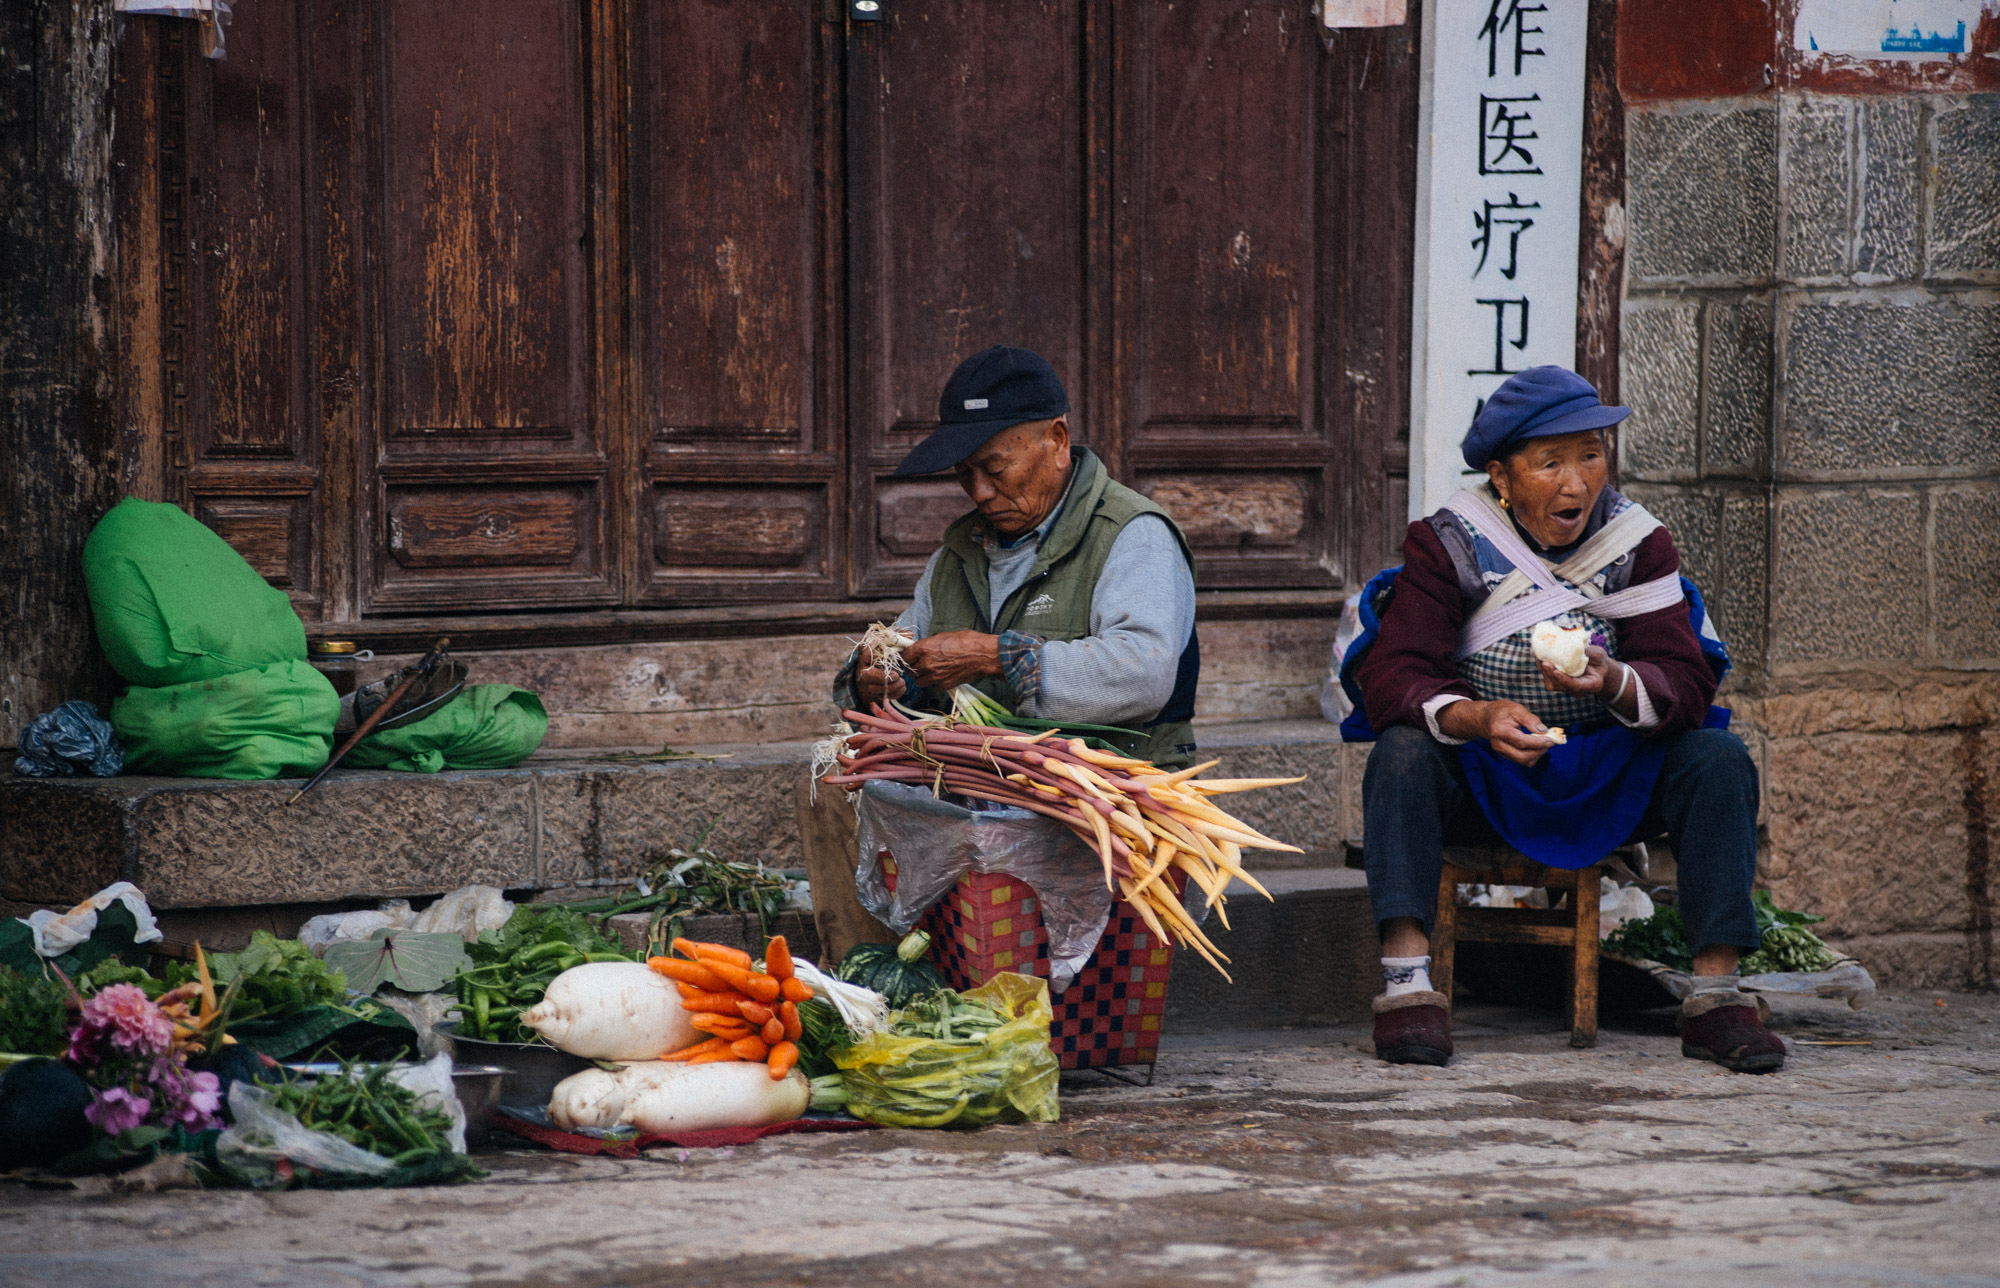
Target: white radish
[(588, 1099), (612, 1011), (732, 1093)]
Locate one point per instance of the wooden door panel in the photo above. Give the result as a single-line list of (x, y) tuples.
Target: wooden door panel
[(967, 205), (1219, 235), (488, 485), (735, 248), (484, 284)]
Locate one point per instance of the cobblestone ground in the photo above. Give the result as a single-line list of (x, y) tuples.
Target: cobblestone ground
[(1266, 1159)]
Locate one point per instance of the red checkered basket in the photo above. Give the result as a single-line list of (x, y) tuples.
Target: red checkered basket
[(1110, 1014)]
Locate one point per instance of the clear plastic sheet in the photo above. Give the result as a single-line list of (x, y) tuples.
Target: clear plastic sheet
[(937, 841), (1846, 981)]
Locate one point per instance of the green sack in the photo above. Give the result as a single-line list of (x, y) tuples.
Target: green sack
[(488, 726), (174, 603), (272, 722)]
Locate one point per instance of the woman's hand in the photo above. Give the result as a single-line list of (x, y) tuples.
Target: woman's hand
[(1509, 728), (873, 684), (1602, 678), (953, 658)]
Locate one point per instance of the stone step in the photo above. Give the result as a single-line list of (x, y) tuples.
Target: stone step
[(1307, 958), (560, 820)]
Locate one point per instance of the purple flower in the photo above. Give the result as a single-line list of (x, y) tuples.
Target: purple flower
[(117, 1110), (190, 1099)]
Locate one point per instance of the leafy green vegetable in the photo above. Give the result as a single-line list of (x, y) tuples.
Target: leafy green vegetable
[(509, 969), (368, 1109), (694, 881), (1787, 944), (411, 960), (823, 1032), (32, 1018), (112, 971), (279, 976)]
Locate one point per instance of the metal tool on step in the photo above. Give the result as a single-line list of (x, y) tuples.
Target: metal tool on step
[(435, 670)]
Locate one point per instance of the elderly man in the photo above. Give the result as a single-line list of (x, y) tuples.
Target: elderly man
[(1064, 595)]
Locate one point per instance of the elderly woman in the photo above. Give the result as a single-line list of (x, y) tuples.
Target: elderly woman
[(1479, 740)]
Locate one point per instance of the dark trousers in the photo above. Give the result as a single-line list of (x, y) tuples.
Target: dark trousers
[(1415, 801)]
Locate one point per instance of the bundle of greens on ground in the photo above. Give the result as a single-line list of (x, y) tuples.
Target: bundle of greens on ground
[(694, 881), (1787, 944), (957, 1059), (513, 966), (364, 1106), (33, 1020)]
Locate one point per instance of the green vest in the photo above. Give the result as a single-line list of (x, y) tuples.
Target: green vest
[(1060, 585)]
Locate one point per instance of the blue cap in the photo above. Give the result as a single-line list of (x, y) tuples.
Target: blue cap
[(994, 389), (1540, 402)]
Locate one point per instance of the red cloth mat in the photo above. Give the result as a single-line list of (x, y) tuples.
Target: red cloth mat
[(572, 1143)]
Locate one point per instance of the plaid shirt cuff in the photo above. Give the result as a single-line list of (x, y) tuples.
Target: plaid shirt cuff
[(1021, 663)]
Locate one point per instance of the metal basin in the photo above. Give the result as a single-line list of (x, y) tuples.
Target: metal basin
[(531, 1070), (478, 1087)]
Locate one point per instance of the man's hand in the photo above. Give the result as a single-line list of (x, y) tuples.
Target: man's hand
[(1601, 678), (953, 658), (872, 684), (1509, 728)]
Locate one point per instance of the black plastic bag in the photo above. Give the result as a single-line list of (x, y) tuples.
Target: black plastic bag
[(71, 739)]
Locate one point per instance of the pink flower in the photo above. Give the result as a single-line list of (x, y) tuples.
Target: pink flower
[(190, 1099), (117, 1110), (121, 1013)]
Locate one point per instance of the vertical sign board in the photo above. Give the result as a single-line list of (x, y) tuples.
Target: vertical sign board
[(1499, 187)]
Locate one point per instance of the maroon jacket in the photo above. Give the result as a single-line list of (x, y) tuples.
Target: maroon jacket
[(1410, 662)]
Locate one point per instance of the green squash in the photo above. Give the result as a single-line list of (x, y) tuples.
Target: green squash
[(898, 974)]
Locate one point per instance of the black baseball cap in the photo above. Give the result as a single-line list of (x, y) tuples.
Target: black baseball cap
[(994, 389)]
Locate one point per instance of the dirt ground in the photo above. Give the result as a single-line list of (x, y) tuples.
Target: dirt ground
[(1260, 1158)]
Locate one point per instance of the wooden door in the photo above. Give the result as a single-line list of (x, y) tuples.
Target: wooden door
[(966, 199)]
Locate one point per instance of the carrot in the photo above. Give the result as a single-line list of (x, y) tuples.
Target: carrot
[(783, 1056), (774, 1031), (688, 973), (724, 1003), (788, 1015), (722, 1026), (699, 1048), (752, 1048), (760, 987), (795, 990), (715, 1057), (755, 1012), (778, 958), (713, 953), (689, 990)]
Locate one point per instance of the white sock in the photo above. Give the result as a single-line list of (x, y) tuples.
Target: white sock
[(1402, 975), (1713, 984)]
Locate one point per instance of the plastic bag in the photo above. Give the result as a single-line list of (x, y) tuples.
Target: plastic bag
[(489, 726), (264, 1145), (272, 722), (1009, 1077), (935, 842), (70, 739)]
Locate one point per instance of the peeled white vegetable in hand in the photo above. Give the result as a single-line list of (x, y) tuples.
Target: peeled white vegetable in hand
[(612, 1011), (1561, 647), (661, 1097)]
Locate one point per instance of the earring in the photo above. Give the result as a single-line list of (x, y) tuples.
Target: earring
[(1505, 504)]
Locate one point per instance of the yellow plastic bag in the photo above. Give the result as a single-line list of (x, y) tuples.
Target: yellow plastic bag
[(1009, 1077)]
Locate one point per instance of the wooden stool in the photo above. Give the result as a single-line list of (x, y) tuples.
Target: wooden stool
[(1574, 927)]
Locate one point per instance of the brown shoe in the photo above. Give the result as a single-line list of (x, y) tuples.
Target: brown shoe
[(1412, 1028), (1728, 1028)]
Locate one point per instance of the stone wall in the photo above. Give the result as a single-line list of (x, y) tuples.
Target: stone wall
[(1811, 347)]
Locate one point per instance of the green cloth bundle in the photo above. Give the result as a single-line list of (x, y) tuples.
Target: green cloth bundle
[(488, 726)]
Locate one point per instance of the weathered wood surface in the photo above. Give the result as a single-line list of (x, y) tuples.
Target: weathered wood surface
[(58, 358)]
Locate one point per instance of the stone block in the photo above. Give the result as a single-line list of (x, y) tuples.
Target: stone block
[(1964, 238), (1660, 379), (1310, 815), (1263, 670), (1885, 706), (1741, 606), (1848, 577), (1889, 164), (1914, 961), (1309, 957), (1736, 389), (1965, 562), (1692, 516), (1873, 385), (1816, 179), (1869, 831), (1702, 194)]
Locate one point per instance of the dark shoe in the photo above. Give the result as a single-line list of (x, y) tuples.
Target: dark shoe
[(1412, 1028), (1728, 1028)]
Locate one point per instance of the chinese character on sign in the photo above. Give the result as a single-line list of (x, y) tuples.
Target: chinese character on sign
[(1499, 215), (1502, 131), (1502, 15), (1500, 341)]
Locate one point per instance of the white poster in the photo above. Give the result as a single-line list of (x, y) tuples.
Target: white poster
[(1916, 29), (1499, 183)]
